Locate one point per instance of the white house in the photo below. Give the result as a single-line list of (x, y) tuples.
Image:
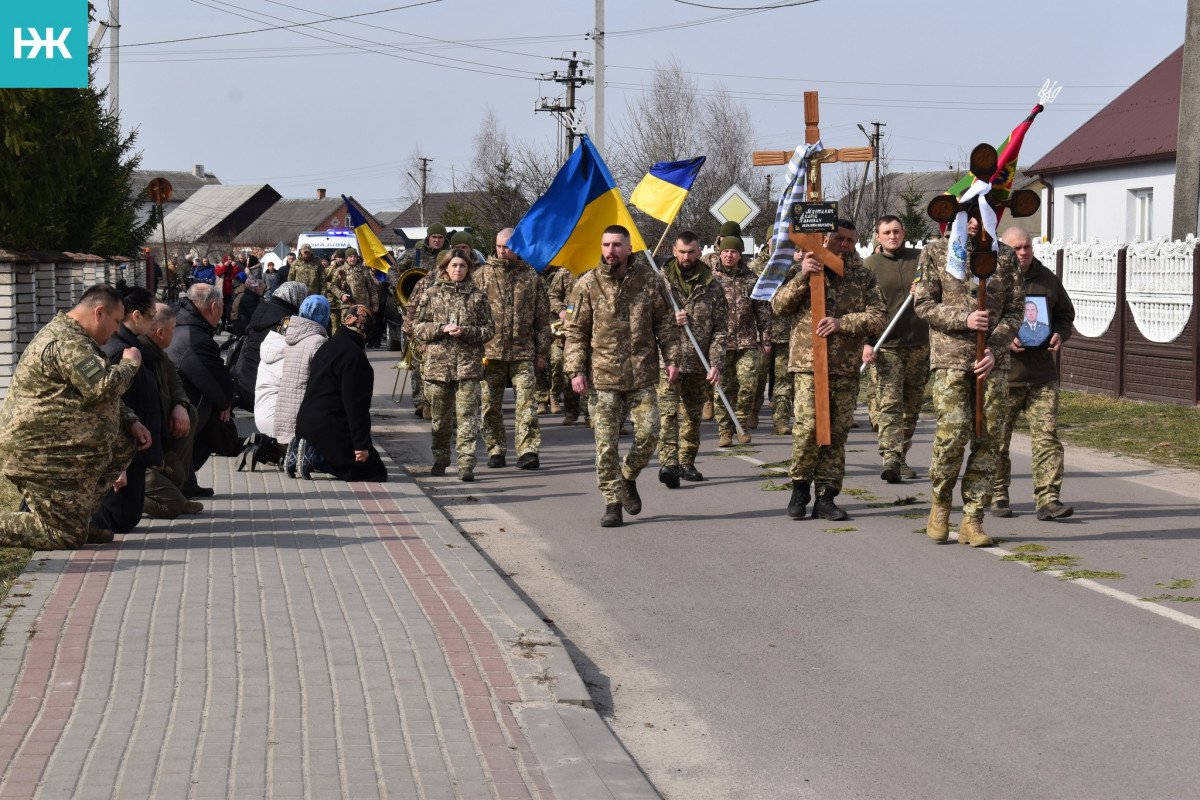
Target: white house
[(1114, 177)]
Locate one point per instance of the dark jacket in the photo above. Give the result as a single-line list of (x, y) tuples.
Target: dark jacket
[(895, 274), (1036, 366), (198, 359), (335, 415), (245, 302), (142, 396), (266, 318)]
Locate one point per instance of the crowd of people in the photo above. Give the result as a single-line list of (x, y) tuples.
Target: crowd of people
[(117, 404)]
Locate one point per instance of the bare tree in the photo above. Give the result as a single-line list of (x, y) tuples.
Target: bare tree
[(673, 120)]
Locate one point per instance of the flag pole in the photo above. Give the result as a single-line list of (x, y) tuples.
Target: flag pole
[(699, 351), (891, 325), (663, 238)]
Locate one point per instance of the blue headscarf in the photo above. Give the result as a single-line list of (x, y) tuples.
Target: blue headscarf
[(316, 308)]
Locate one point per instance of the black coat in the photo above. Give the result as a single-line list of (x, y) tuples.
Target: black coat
[(121, 511), (266, 318), (245, 303), (335, 415), (207, 380)]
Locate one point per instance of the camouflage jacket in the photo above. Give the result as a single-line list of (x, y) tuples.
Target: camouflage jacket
[(309, 272), (945, 302), (421, 256), (359, 282), (619, 327), (749, 320), (559, 281), (701, 297), (453, 358), (852, 298), (781, 327), (896, 274), (414, 301), (520, 309), (63, 408)]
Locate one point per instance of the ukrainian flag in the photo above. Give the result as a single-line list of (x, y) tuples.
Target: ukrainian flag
[(564, 226), (662, 192), (373, 253)]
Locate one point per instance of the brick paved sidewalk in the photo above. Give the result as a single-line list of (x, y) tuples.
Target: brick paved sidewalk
[(297, 639)]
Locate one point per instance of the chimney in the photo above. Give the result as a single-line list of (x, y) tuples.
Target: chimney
[(320, 194), (198, 170)]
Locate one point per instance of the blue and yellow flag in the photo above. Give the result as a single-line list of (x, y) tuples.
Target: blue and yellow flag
[(662, 192), (563, 227), (373, 253)]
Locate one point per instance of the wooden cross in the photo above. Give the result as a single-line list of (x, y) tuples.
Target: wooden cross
[(814, 243)]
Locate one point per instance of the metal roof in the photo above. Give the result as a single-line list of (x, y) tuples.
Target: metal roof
[(208, 208), (1141, 124), (287, 219), (183, 184)]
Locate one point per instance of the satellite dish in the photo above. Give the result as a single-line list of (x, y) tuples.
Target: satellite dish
[(159, 190)]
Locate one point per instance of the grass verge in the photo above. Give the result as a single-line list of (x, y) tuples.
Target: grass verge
[(12, 559)]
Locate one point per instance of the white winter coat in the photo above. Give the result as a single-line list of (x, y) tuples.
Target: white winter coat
[(266, 384), (303, 337)]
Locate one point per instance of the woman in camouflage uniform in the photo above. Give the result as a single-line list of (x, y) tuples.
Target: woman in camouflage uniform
[(453, 322)]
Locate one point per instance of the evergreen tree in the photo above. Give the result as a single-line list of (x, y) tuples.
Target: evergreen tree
[(67, 174), (914, 218)]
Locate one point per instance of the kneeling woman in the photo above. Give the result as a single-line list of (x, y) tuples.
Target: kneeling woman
[(335, 415), (454, 321)]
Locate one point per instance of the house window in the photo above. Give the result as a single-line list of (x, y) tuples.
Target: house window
[(1076, 217), (348, 221), (1141, 213)]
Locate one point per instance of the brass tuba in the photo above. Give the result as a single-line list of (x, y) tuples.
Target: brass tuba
[(407, 282)]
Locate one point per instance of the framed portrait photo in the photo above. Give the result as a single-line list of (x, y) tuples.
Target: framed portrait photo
[(1035, 328)]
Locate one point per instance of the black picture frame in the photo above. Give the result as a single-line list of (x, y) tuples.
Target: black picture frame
[(1037, 334)]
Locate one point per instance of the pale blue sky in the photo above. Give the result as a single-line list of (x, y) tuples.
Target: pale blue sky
[(341, 105)]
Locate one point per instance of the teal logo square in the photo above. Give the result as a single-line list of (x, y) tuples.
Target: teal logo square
[(44, 45)]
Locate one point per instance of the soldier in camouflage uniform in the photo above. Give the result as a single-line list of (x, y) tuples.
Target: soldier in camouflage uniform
[(307, 269), (65, 435), (356, 287), (1033, 388), (453, 322), (854, 310), (521, 345), (901, 364), (702, 307), (622, 321), (776, 367), (749, 340), (949, 305), (423, 256), (713, 260), (559, 292)]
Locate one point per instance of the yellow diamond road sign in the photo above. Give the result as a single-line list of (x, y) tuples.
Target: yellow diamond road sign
[(735, 206)]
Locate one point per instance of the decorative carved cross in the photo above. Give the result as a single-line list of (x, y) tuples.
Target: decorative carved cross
[(814, 243)]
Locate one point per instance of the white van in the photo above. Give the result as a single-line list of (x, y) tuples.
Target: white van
[(324, 243)]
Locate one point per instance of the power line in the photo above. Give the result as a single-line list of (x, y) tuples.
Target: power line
[(752, 8)]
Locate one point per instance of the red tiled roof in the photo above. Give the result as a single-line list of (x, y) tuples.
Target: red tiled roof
[(1142, 124)]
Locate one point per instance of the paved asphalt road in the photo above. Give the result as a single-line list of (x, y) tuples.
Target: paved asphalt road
[(739, 654)]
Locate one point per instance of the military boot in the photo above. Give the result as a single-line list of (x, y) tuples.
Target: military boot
[(798, 504), (543, 409), (708, 412), (555, 406), (669, 475), (612, 517), (891, 472), (938, 526), (631, 501), (971, 532), (1000, 506), (782, 429), (752, 423), (1055, 509), (825, 508), (726, 439)]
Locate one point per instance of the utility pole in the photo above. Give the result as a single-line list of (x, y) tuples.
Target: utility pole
[(424, 182), (565, 110), (598, 111), (114, 60), (875, 139), (1186, 208)]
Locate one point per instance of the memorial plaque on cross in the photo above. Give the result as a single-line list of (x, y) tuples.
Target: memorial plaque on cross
[(812, 241)]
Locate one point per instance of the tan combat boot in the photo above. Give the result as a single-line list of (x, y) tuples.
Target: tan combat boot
[(555, 406), (726, 439), (708, 412), (971, 532), (752, 424), (782, 429), (938, 526)]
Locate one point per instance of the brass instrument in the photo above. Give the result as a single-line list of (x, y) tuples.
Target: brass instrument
[(407, 282), (556, 328)]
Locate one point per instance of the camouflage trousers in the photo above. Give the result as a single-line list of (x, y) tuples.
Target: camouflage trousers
[(954, 397), (450, 401), (785, 387), (823, 465), (679, 407), (61, 506), (606, 416), (529, 433), (900, 377), (871, 388), (763, 379), (1040, 404), (552, 381), (739, 380), (417, 385)]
